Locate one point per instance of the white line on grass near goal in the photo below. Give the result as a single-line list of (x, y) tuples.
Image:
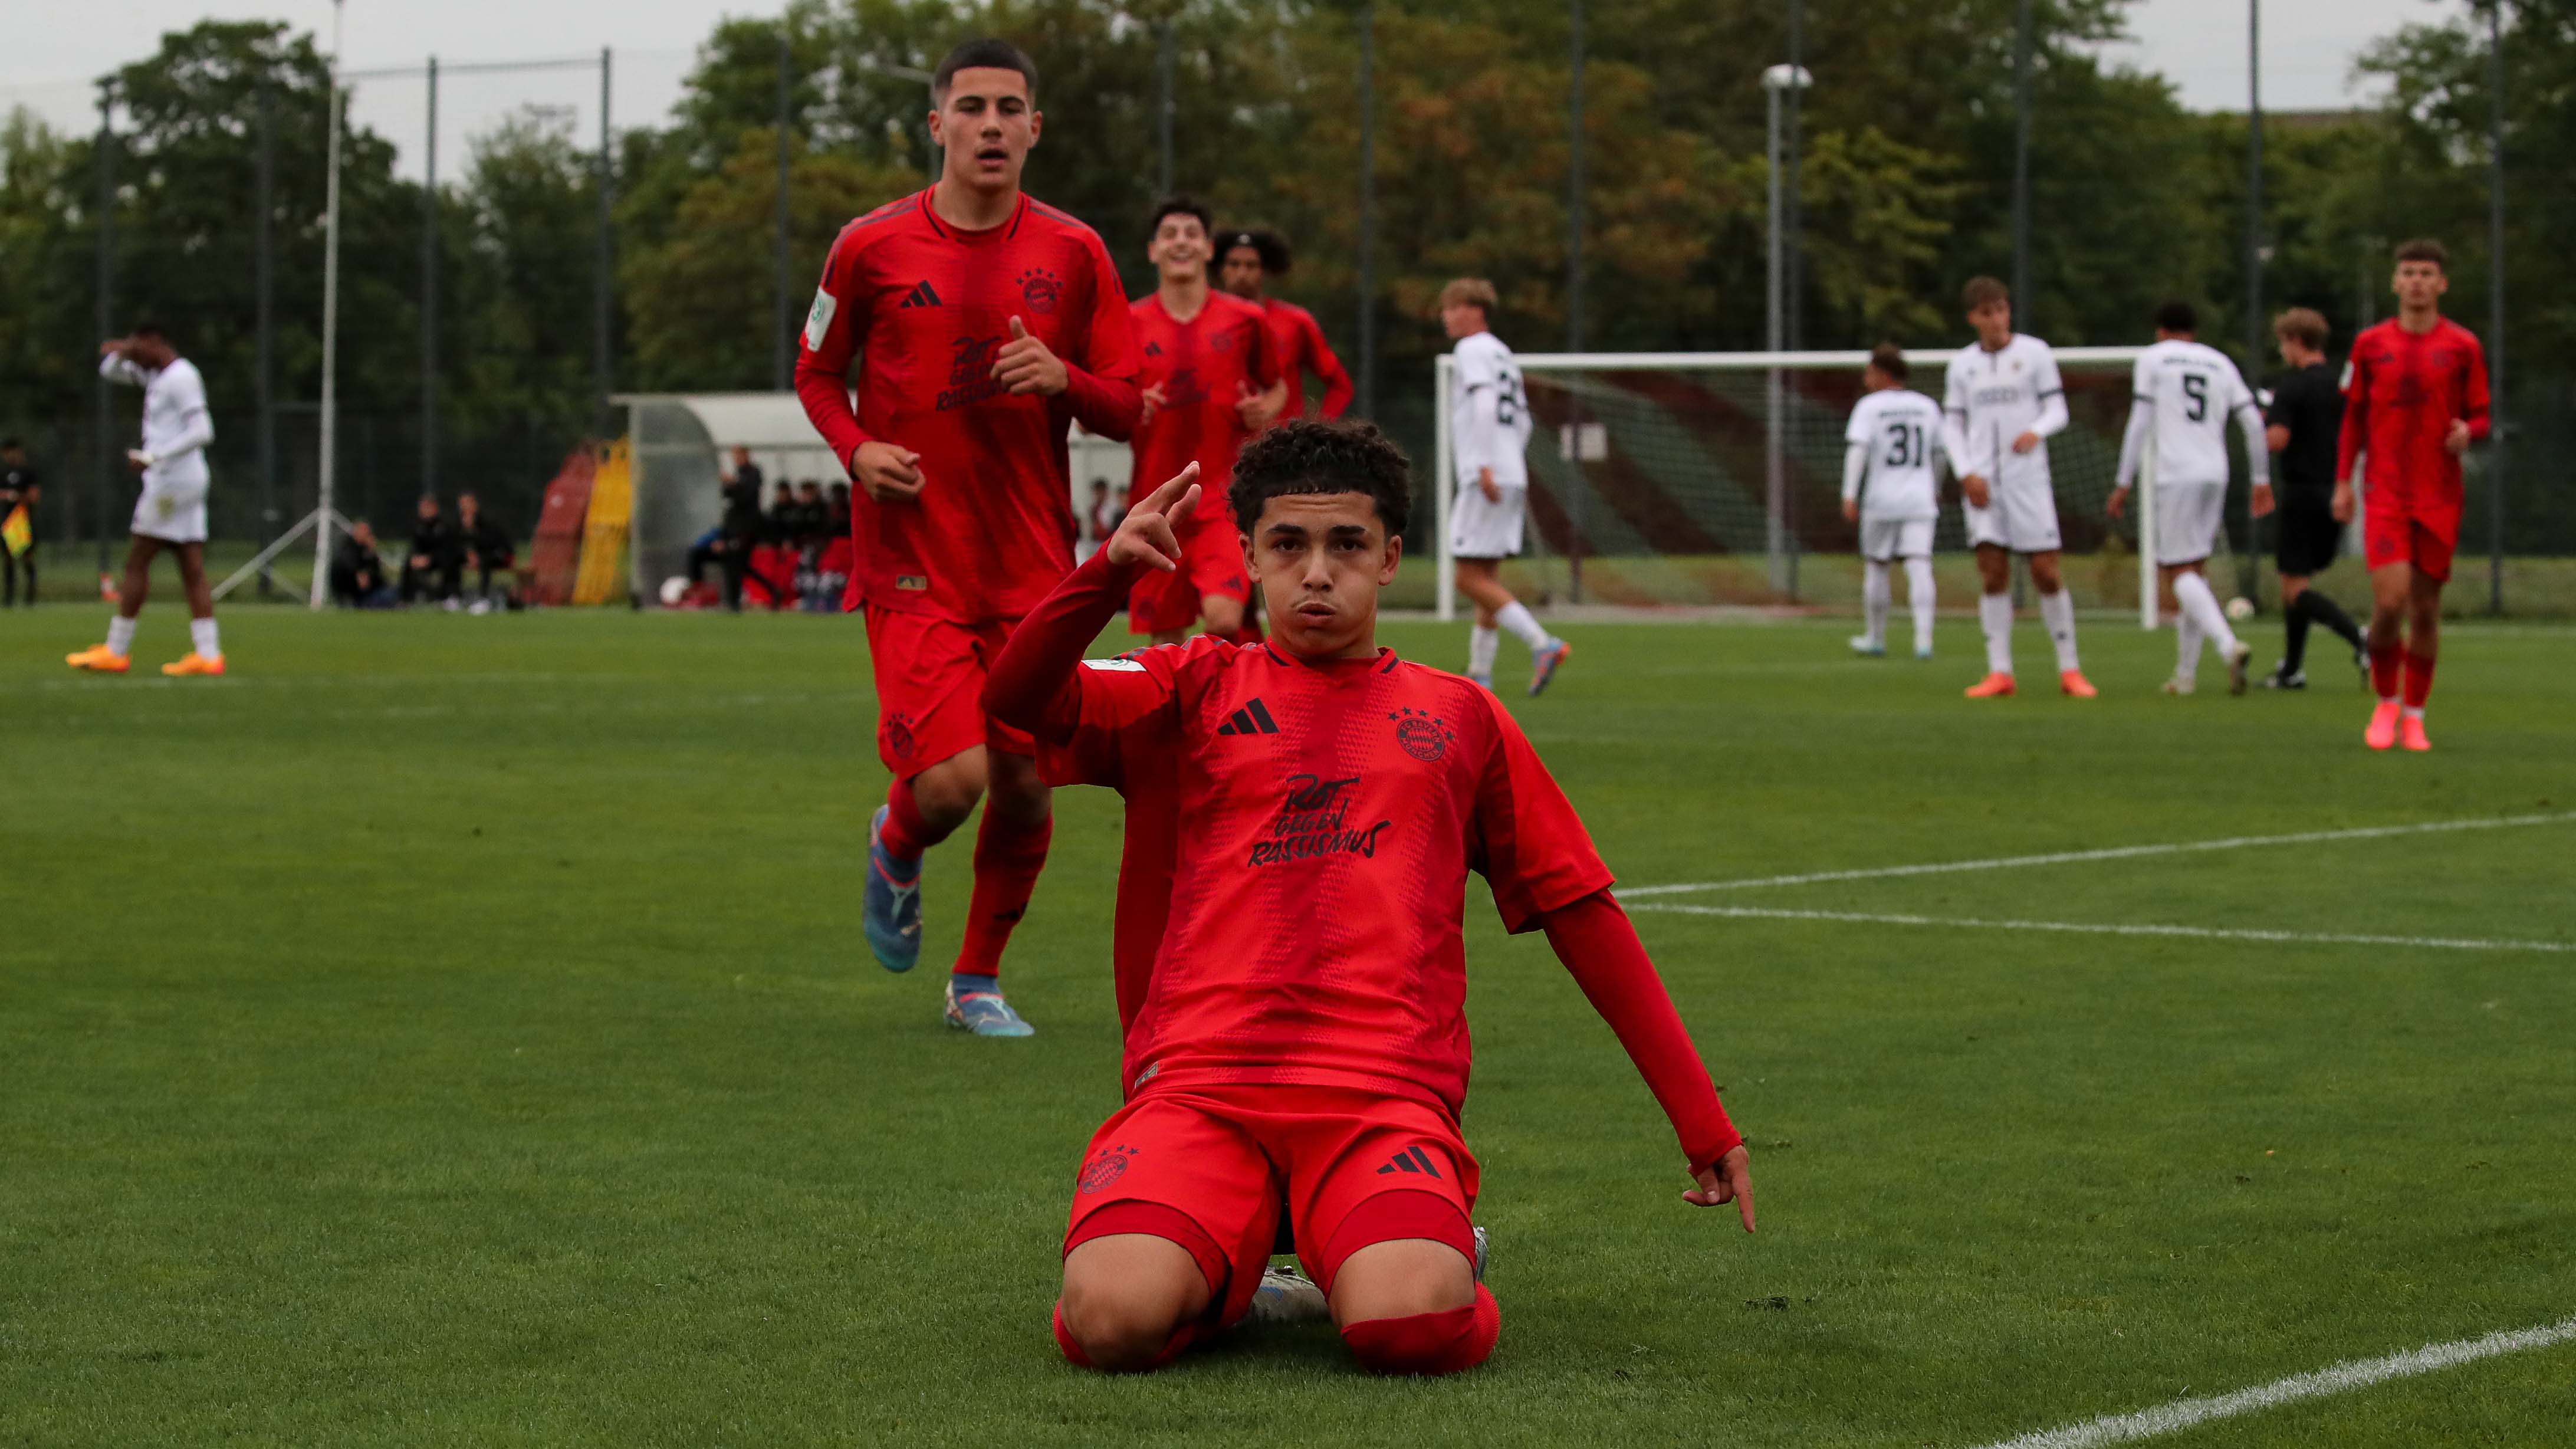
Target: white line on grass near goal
[(2342, 1378), (2117, 852), (2091, 928)]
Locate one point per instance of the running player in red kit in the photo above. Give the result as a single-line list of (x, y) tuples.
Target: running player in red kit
[(1299, 1045), (1211, 381), (983, 324), (2415, 397), (1245, 265)]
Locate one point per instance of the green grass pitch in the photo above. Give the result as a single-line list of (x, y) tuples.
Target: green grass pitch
[(453, 1030)]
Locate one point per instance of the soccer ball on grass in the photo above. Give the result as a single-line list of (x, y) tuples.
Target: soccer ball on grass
[(2240, 608)]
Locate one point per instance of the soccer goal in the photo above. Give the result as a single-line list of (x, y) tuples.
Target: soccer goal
[(1715, 478)]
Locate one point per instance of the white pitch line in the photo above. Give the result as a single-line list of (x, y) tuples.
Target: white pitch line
[(2091, 928), (2117, 852), (2342, 1378)]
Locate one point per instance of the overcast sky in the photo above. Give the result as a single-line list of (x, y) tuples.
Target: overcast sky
[(2308, 49)]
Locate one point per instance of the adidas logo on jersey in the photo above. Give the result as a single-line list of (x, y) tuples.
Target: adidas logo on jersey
[(1252, 719), (1411, 1159), (921, 295)]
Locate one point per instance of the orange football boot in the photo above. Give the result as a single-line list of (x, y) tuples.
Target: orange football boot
[(2410, 733), (1993, 686), (195, 663), (97, 660), (2382, 732), (2073, 682)]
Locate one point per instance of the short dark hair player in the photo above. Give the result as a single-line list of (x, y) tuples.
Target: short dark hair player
[(1304, 813)]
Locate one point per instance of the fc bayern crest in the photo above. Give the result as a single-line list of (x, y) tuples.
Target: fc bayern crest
[(1105, 1168), (1423, 736), (1040, 289)]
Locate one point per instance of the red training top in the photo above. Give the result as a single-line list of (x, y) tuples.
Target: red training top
[(926, 306), (2401, 392), (1299, 341), (1299, 834), (1204, 367)]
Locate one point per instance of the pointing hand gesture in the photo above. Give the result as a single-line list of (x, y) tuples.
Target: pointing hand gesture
[(1026, 364), (1731, 1180), (1147, 534)]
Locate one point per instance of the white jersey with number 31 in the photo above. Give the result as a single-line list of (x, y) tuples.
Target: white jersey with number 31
[(1902, 431)]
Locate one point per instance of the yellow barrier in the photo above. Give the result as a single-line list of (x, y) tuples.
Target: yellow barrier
[(602, 578)]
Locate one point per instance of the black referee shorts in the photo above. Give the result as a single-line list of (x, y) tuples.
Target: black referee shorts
[(2305, 536)]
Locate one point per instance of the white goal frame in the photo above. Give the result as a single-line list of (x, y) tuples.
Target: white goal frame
[(1444, 469)]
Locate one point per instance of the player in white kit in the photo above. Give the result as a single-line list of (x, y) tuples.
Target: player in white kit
[(1489, 434), (2185, 395), (171, 513), (1890, 442), (2003, 401)]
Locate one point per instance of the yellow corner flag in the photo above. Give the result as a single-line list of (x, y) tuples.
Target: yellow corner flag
[(17, 533)]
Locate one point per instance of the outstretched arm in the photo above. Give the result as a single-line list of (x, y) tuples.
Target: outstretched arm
[(1599, 947), (1036, 683)]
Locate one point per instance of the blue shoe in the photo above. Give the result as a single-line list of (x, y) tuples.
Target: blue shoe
[(890, 910), (984, 1013), (1544, 665)]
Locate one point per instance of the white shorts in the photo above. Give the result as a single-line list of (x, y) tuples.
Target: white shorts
[(1886, 539), (172, 515), (2188, 517), (2020, 516), (1480, 528)]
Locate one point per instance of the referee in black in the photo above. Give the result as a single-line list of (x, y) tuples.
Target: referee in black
[(2314, 504)]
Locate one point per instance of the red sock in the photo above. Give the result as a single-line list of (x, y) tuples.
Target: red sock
[(1182, 1338), (2386, 661), (1428, 1343), (2419, 679), (1007, 861), (905, 834)]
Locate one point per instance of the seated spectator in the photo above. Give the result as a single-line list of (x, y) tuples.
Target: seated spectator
[(488, 546), (786, 519), (435, 567), (358, 572), (839, 526)]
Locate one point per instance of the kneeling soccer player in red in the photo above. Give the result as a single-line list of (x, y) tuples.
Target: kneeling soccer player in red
[(1299, 1043)]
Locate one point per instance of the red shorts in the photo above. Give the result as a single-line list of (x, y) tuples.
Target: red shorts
[(2422, 537), (930, 689), (1211, 563), (1209, 1168)]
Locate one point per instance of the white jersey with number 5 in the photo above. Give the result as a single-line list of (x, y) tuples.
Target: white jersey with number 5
[(1901, 429), (2185, 394), (1489, 417)]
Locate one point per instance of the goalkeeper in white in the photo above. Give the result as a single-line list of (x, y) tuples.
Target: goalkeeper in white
[(2185, 394), (1889, 445)]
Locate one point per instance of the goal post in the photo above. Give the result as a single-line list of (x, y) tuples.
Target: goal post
[(1705, 478)]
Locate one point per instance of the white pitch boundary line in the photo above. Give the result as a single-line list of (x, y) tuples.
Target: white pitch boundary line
[(2090, 928), (2341, 1378), (2117, 852)]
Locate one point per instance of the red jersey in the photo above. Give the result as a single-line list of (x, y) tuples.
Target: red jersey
[(1299, 341), (1316, 822), (926, 306), (2402, 390), (1203, 366)]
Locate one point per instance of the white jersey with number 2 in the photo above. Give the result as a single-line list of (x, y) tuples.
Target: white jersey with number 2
[(1489, 418)]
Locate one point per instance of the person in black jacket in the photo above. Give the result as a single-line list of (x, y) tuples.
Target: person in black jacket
[(741, 526), (2302, 424), (434, 569), (358, 572), (488, 546)]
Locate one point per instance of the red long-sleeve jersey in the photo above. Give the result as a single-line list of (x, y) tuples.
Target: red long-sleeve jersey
[(1204, 366), (1299, 833), (923, 307), (2402, 390), (1300, 343)]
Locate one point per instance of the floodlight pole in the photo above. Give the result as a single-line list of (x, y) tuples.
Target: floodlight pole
[(2248, 571), (321, 591), (1574, 208), (602, 297), (1367, 400), (2024, 312), (1777, 81), (2496, 449), (103, 434), (429, 290), (264, 244), (782, 348), (1165, 61)]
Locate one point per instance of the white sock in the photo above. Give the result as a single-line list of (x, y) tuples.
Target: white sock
[(2057, 612), (202, 633), (1994, 613), (1481, 645), (2186, 648), (2201, 607), (1516, 617), (1918, 592), (1874, 601), (120, 635)]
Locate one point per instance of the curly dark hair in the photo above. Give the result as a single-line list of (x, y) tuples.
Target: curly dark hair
[(1316, 457)]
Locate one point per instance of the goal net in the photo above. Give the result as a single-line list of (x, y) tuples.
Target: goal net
[(1681, 479)]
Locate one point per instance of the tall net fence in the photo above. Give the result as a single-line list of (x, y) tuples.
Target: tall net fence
[(1652, 484)]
